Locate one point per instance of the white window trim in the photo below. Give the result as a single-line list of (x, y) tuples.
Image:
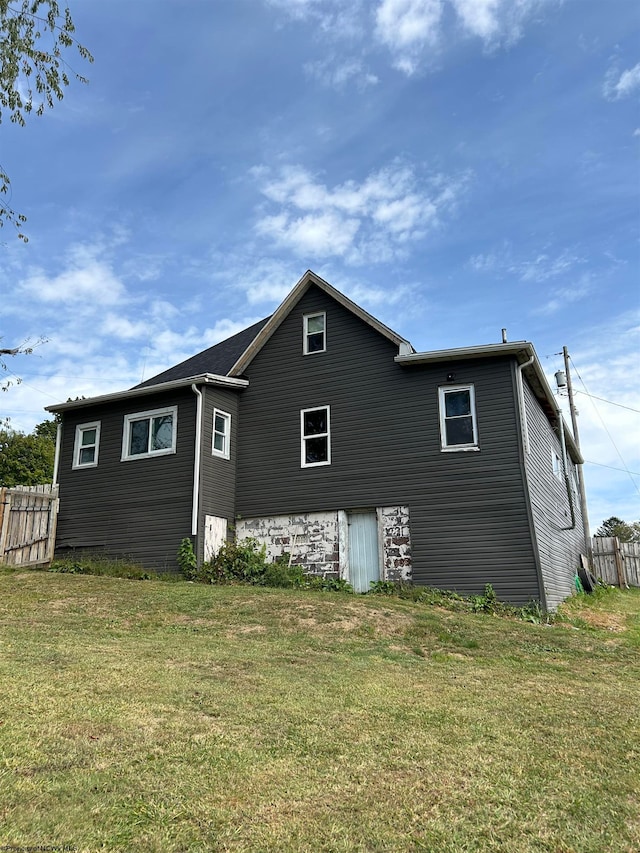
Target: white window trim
[(139, 416), (556, 466), (306, 333), (303, 437), (225, 452), (77, 447), (457, 448)]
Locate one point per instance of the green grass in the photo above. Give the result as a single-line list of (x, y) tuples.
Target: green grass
[(181, 717)]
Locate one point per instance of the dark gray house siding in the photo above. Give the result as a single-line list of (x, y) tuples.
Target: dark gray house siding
[(468, 513), (557, 516), (492, 511), (139, 509), (218, 475)]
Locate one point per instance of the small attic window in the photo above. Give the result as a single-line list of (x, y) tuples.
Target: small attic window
[(314, 333)]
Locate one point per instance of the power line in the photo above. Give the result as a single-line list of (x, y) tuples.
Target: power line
[(611, 467), (611, 403)]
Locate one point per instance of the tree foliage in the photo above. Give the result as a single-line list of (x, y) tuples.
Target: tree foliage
[(27, 460), (623, 530), (5, 382), (34, 34)]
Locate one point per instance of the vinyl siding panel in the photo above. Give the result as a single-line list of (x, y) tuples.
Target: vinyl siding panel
[(468, 512), (139, 509), (560, 541), (218, 476)]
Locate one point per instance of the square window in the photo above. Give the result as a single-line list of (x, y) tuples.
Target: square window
[(458, 428), (149, 433), (221, 434), (556, 464), (85, 449), (314, 337), (315, 437)]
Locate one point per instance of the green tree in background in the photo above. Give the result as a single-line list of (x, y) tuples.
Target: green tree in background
[(33, 74), (614, 526), (27, 460)]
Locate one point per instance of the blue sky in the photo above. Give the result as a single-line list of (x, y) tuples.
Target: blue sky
[(455, 166)]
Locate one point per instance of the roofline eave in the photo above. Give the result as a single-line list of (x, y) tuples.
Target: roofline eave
[(200, 379), (309, 278)]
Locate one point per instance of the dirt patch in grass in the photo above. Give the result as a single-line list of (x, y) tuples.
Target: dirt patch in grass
[(615, 622)]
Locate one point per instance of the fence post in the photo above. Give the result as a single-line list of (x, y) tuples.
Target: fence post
[(617, 553), (5, 511)]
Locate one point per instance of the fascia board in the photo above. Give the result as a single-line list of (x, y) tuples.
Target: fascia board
[(308, 279), (201, 379)]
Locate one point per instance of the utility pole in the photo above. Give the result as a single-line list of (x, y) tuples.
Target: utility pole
[(576, 436)]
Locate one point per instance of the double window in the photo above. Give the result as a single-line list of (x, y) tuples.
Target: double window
[(221, 434), (87, 442), (315, 437), (150, 433), (458, 427), (315, 333)]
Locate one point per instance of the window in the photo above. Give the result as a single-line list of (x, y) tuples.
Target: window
[(85, 449), (150, 433), (458, 429), (314, 333), (315, 437), (221, 433), (556, 463)]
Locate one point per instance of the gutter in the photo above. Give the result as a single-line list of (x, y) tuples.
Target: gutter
[(56, 458), (523, 410), (201, 379)]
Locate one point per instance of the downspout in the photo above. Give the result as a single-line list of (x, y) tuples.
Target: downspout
[(196, 461), (56, 458), (523, 411), (565, 472)]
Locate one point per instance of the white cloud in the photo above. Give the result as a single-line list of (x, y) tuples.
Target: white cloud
[(413, 32), (566, 295), (407, 28), (338, 74), (371, 220), (620, 85), (540, 268), (89, 284)]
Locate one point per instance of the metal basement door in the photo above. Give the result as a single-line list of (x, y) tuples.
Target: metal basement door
[(364, 560)]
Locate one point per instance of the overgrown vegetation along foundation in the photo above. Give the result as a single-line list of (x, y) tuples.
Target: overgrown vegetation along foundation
[(175, 717)]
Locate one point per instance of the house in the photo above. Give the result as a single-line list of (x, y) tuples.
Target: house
[(322, 433)]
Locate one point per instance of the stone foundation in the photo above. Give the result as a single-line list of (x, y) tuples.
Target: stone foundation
[(317, 541)]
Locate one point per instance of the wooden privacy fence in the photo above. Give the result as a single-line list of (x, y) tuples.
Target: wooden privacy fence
[(616, 562), (28, 517)]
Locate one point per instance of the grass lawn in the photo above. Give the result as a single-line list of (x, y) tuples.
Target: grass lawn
[(151, 716)]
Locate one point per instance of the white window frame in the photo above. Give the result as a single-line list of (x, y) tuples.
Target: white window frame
[(556, 466), (455, 448), (78, 446), (307, 334), (226, 435), (148, 415), (303, 438)]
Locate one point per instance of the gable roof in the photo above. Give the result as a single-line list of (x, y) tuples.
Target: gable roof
[(309, 279), (217, 360)]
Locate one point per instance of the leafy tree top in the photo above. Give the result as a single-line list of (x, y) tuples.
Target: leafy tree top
[(27, 460), (623, 530), (34, 34)]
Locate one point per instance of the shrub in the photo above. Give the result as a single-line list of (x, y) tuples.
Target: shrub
[(235, 561), (187, 558)]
